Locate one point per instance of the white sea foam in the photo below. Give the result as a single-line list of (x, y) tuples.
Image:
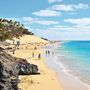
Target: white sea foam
[(67, 71), (64, 71)]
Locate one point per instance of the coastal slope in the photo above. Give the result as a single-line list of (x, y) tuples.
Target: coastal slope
[(47, 79)]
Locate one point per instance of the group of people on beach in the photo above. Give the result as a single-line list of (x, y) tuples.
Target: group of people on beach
[(36, 46), (39, 55), (47, 52)]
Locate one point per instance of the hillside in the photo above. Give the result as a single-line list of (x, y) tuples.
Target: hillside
[(11, 28)]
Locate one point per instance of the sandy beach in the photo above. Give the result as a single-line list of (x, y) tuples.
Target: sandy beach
[(46, 80), (53, 76), (45, 45)]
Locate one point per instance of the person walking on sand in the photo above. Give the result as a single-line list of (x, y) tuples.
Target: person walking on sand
[(33, 54), (46, 52), (39, 56), (13, 51)]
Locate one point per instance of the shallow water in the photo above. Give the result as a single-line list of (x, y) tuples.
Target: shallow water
[(72, 63), (76, 57)]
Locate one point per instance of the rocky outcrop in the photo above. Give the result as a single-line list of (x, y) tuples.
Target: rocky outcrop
[(1, 49), (26, 68), (8, 72), (11, 68)]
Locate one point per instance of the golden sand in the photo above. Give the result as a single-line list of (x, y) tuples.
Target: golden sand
[(47, 80)]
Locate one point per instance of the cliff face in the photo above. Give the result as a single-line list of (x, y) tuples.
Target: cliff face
[(8, 72), (11, 68)]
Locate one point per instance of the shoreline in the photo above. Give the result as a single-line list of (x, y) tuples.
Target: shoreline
[(54, 75), (47, 80), (75, 82), (67, 79)]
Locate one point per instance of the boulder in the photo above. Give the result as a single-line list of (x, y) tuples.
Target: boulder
[(34, 69), (8, 48), (8, 72), (11, 68), (1, 49), (26, 68)]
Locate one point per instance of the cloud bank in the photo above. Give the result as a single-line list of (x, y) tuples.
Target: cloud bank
[(53, 1)]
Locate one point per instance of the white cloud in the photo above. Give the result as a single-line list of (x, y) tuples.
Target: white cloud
[(67, 7), (79, 22), (60, 28), (58, 32), (55, 9), (30, 20), (53, 1), (63, 33), (81, 6), (46, 12), (15, 19), (62, 7), (47, 22)]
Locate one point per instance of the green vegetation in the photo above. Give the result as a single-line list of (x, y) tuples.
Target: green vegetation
[(11, 28)]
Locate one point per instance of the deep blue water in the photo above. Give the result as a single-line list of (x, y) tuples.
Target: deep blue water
[(75, 55)]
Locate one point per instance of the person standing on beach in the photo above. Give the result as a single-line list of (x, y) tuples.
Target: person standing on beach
[(18, 44), (33, 54), (48, 52), (39, 56), (35, 48), (13, 51)]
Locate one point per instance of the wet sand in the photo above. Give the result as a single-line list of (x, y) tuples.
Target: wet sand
[(69, 81)]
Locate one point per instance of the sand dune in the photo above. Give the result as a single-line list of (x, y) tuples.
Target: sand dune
[(28, 39), (47, 79)]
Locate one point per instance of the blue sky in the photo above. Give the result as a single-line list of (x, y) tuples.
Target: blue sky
[(52, 19)]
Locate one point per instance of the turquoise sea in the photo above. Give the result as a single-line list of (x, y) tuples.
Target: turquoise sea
[(75, 56)]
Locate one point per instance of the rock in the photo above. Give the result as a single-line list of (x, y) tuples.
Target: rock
[(8, 48), (26, 68), (23, 67), (8, 72), (1, 49), (33, 69), (11, 68)]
